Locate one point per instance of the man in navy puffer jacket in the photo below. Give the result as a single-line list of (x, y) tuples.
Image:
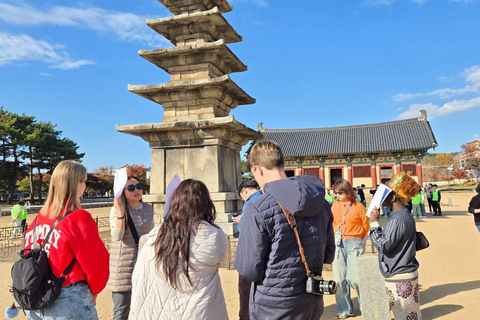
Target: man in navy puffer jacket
[(267, 252)]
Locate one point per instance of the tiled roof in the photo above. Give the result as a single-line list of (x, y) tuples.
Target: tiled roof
[(395, 136)]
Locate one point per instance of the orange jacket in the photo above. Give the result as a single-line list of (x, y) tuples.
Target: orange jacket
[(356, 224)]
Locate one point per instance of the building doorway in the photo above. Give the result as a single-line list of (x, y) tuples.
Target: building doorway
[(335, 175), (290, 173), (386, 174)]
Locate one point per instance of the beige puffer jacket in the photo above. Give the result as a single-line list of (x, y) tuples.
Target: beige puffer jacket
[(154, 298), (123, 253)]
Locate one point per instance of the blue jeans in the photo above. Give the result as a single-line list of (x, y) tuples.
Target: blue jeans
[(422, 207), (478, 228), (345, 273), (74, 303)]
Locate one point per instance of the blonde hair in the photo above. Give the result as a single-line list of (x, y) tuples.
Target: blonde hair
[(266, 154), (62, 192)]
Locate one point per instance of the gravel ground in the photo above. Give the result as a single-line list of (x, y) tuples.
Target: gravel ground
[(449, 276)]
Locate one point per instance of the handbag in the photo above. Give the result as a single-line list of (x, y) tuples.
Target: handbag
[(421, 242)]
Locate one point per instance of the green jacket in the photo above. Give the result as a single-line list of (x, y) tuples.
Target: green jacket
[(417, 199), (19, 212), (329, 198)]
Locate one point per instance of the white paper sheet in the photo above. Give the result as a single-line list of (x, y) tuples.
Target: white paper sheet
[(172, 185), (119, 182), (380, 195)]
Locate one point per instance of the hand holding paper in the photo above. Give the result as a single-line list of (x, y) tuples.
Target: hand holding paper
[(380, 195), (119, 182)]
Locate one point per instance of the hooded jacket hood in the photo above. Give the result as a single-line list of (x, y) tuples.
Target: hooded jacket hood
[(303, 196)]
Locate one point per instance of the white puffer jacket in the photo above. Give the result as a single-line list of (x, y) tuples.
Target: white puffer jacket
[(154, 298)]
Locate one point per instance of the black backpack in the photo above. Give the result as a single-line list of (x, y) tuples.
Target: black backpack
[(35, 286)]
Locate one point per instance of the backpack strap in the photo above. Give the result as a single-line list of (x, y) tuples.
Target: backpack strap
[(132, 228), (42, 247)]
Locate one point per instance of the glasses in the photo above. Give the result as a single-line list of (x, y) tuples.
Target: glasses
[(87, 182), (138, 186)]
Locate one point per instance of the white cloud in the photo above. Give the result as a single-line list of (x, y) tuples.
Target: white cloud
[(45, 74), (472, 78), (434, 111), (125, 26), (23, 47), (462, 1)]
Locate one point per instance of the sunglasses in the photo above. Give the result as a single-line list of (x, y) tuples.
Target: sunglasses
[(138, 186)]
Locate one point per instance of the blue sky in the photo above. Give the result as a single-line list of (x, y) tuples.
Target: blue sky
[(311, 63)]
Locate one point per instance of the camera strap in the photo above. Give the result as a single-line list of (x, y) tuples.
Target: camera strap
[(293, 224), (344, 216)]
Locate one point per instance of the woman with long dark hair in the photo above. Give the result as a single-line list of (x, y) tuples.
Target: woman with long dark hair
[(176, 275), (75, 240), (351, 225), (128, 212)]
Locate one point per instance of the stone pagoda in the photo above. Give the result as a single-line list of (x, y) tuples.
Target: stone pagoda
[(197, 137)]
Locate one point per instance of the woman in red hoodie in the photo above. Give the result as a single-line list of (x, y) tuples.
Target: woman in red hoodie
[(75, 237)]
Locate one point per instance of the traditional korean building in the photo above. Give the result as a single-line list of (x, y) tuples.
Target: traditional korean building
[(363, 154)]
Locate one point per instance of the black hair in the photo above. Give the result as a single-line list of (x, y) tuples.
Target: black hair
[(435, 185), (247, 183), (21, 202), (363, 186), (478, 188)]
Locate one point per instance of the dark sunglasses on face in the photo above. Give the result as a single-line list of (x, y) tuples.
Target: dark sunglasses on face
[(132, 187)]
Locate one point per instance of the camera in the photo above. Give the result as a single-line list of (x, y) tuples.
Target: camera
[(316, 285)]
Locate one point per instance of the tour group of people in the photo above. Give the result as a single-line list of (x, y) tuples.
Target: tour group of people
[(288, 231)]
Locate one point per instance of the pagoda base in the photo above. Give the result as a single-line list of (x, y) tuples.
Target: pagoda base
[(205, 150)]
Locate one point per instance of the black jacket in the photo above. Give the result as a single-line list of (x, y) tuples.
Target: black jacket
[(475, 204)]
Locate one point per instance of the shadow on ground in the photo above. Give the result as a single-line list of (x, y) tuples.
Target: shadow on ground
[(332, 309), (440, 291), (438, 311)]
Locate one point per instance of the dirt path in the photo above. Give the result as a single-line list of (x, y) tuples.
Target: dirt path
[(449, 272)]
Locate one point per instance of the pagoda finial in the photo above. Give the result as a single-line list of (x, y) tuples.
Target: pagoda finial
[(260, 127)]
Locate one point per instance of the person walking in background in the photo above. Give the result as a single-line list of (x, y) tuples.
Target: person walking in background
[(416, 202), (362, 195), (75, 242), (474, 207), (422, 203), (329, 197), (130, 219), (396, 249), (268, 253), (428, 192), (176, 274), (436, 197), (351, 225), (248, 190), (19, 217)]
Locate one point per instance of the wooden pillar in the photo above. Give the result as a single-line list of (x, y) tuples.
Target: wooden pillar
[(321, 170), (398, 166), (419, 170), (349, 171), (373, 172), (299, 166)]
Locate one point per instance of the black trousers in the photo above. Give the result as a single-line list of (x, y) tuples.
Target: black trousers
[(244, 292), (430, 205), (436, 207)]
